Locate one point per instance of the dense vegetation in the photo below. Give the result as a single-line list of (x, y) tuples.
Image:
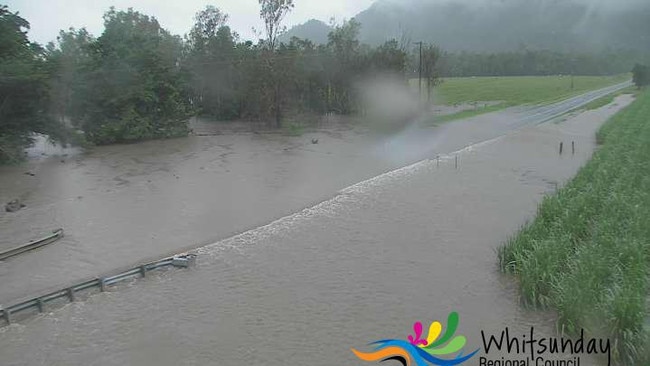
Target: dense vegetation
[(137, 81), (234, 79), (24, 96), (587, 253), (130, 85)]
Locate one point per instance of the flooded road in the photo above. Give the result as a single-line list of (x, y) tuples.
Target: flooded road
[(412, 244), (122, 205), (127, 204)]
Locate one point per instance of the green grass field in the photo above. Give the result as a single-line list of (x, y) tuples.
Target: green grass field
[(513, 90), (520, 90), (587, 254)]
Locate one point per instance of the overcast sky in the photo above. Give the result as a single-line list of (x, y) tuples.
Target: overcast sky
[(47, 17)]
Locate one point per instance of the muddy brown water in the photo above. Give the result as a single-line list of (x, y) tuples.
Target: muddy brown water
[(125, 204), (412, 244)]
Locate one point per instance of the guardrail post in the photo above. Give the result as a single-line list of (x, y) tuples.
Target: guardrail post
[(70, 292), (561, 147), (182, 261), (7, 316), (456, 161), (573, 147)]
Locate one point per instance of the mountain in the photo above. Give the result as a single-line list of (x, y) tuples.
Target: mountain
[(501, 25), (313, 30)]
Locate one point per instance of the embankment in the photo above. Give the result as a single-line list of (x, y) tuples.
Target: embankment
[(587, 252)]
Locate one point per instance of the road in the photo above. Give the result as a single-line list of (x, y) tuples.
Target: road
[(544, 113)]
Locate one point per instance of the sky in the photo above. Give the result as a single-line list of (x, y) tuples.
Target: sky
[(47, 17)]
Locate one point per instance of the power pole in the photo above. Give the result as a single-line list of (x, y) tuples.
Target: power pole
[(420, 71), (573, 63)]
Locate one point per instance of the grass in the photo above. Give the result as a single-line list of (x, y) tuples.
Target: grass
[(465, 114), (601, 102), (587, 254), (514, 90), (294, 129), (520, 89)]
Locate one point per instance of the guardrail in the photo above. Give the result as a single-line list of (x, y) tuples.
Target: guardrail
[(69, 293), (56, 235)]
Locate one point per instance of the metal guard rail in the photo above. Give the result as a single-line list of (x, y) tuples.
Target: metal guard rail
[(180, 261)]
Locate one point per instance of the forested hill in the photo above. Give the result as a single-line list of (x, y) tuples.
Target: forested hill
[(503, 25), (313, 30)]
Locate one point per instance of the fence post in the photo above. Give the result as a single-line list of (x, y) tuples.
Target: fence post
[(573, 147)]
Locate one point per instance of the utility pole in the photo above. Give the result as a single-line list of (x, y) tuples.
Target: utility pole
[(420, 71), (573, 63)]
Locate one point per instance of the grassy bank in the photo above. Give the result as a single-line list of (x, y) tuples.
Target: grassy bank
[(587, 254), (610, 98), (513, 90)]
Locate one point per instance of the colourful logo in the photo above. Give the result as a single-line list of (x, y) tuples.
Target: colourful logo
[(436, 349)]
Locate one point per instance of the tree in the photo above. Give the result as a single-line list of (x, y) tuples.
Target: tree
[(346, 67), (430, 68), (212, 56), (272, 13), (344, 41), (24, 94), (207, 23), (641, 75), (66, 59), (134, 86), (389, 57)]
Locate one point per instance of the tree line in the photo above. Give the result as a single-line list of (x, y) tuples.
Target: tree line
[(138, 81)]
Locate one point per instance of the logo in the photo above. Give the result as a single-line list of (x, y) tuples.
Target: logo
[(438, 348)]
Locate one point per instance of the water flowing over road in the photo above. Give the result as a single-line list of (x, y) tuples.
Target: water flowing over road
[(408, 245)]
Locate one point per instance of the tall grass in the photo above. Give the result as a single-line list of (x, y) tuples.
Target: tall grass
[(587, 254)]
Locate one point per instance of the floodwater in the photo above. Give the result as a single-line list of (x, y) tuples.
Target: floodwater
[(127, 204), (412, 244)]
